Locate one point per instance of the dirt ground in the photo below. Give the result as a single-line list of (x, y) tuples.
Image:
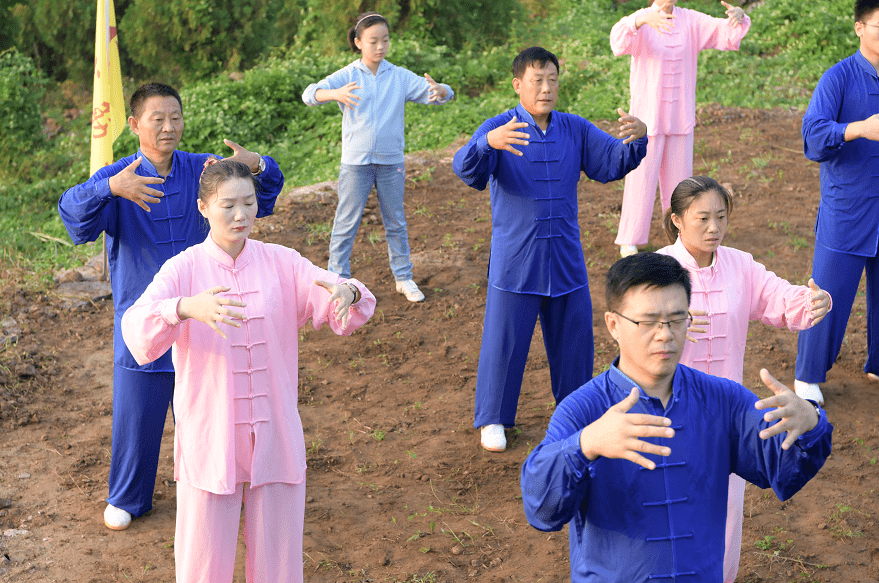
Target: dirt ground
[(398, 487)]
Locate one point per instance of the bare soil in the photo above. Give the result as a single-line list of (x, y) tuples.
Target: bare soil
[(398, 487)]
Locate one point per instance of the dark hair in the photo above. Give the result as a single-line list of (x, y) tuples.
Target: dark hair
[(364, 21), (144, 92), (653, 269), (864, 8), (221, 172), (531, 56), (685, 194)]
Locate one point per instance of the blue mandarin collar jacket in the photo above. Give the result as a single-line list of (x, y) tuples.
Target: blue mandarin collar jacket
[(631, 524), (535, 238), (140, 242)]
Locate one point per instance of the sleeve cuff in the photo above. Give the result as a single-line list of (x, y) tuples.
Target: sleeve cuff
[(580, 466), (168, 310), (103, 190), (807, 440), (482, 144)]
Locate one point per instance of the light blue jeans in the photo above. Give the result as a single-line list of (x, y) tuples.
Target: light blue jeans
[(355, 183)]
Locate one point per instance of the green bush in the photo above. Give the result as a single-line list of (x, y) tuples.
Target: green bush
[(21, 125)]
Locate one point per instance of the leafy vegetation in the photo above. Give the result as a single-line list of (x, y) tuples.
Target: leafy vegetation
[(284, 45)]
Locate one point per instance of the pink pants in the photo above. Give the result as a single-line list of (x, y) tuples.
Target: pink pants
[(207, 527), (669, 161), (735, 506)]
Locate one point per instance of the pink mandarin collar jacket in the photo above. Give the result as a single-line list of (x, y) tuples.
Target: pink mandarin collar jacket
[(664, 65), (251, 377), (734, 290)]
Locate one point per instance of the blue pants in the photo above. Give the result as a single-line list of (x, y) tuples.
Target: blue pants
[(355, 183), (140, 405), (839, 274), (510, 317)]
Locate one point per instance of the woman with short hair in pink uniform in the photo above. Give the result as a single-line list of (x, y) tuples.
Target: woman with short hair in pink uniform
[(729, 289), (231, 307)]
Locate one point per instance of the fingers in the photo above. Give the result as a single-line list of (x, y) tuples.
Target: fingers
[(429, 79), (217, 330), (695, 313), (135, 164), (728, 6), (235, 147), (771, 383), (622, 113), (217, 289), (325, 284), (629, 402), (143, 205), (512, 150)]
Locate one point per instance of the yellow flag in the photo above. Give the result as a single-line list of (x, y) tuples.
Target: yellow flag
[(108, 105)]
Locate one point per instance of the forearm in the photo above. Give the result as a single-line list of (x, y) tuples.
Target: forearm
[(82, 209), (271, 182), (554, 482)]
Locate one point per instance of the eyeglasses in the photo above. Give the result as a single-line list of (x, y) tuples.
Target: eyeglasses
[(648, 326), (868, 24)]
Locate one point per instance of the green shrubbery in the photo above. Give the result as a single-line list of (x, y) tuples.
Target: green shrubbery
[(788, 47), (21, 86)]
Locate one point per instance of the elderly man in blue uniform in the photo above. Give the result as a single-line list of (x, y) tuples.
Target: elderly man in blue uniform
[(537, 265), (146, 205), (841, 131), (638, 459)]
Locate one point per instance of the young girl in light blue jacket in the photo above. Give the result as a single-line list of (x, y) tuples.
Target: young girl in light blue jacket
[(372, 94)]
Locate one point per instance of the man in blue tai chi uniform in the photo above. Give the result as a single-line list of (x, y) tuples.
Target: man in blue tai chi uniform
[(537, 264), (638, 459), (146, 205), (841, 131)]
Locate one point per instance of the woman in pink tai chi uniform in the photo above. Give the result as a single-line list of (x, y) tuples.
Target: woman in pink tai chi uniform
[(231, 308), (729, 289), (664, 42)]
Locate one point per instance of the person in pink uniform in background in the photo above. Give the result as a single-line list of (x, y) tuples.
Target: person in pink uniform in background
[(664, 42), (730, 289), (231, 308)]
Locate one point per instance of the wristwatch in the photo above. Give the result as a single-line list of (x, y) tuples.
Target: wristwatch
[(355, 290), (817, 408), (262, 166)]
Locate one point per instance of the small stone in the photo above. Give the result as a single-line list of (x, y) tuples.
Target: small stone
[(457, 550), (495, 562), (5, 502), (11, 532), (310, 499), (24, 476), (476, 563), (25, 370)]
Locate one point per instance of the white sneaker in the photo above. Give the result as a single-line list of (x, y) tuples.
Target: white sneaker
[(116, 518), (811, 391), (410, 290), (493, 438), (626, 250)]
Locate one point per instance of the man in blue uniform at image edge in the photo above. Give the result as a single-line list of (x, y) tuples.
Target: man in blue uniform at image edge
[(531, 158), (146, 205), (841, 131), (638, 459)]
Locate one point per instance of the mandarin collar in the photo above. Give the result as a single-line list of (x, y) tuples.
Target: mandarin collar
[(382, 67), (523, 115), (223, 258), (865, 64), (688, 261), (148, 166), (624, 384)]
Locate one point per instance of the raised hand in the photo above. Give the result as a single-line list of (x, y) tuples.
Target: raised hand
[(797, 416), (345, 95), (209, 308), (503, 137), (694, 323), (243, 155), (436, 92), (617, 434), (734, 13), (658, 20), (820, 302), (631, 127), (344, 294), (128, 185)]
